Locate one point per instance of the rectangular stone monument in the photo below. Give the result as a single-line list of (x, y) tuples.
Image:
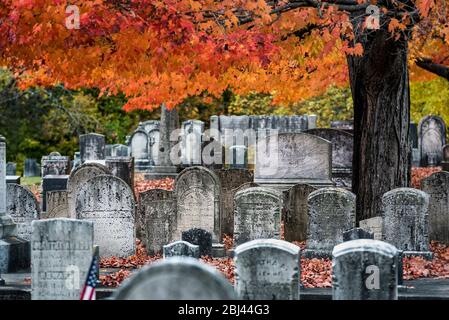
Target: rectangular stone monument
[(52, 183), (13, 179), (92, 147), (365, 270), (267, 270), (11, 169), (61, 253), (55, 164), (373, 225), (123, 168), (32, 168), (283, 160), (257, 214)]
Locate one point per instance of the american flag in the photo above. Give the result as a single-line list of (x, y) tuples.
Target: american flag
[(88, 292)]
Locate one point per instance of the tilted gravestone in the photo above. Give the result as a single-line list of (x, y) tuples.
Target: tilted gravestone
[(365, 270), (267, 270), (52, 183), (156, 218), (405, 221), (232, 181), (55, 164), (123, 168), (181, 248), (342, 149), (22, 206), (437, 187), (176, 278), (257, 214), (61, 253), (432, 138), (201, 238), (77, 178), (198, 202), (296, 212), (284, 160), (109, 203), (57, 205), (331, 213), (92, 147)]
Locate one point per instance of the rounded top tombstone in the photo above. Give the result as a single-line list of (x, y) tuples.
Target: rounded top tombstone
[(176, 278), (364, 245)]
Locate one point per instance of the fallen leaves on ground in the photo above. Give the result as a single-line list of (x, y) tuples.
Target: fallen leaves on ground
[(421, 173), (315, 273), (145, 185)]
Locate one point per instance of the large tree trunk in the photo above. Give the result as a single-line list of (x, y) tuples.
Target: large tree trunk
[(380, 89)]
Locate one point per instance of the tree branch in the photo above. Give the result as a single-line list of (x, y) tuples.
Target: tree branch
[(435, 68)]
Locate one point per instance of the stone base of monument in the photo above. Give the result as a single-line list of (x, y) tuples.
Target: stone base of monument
[(316, 254), (161, 172), (218, 250), (13, 179), (15, 254)]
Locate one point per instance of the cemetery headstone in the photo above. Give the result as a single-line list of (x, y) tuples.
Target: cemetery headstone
[(156, 218), (432, 138), (181, 248), (312, 121), (23, 208), (161, 281), (331, 213), (296, 212), (52, 183), (31, 168), (405, 221), (198, 201), (61, 253), (11, 169), (201, 238), (267, 270), (57, 205), (191, 142), (55, 164), (92, 147), (373, 225), (365, 270), (108, 202), (257, 214), (284, 160), (77, 178), (437, 187), (123, 168), (445, 162), (231, 180)]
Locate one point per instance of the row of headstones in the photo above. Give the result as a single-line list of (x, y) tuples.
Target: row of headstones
[(62, 249)]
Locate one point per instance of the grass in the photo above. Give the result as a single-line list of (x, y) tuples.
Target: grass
[(29, 181)]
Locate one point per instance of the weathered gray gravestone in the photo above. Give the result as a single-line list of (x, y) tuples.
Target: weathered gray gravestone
[(176, 278), (23, 207), (405, 221), (57, 205), (295, 215), (356, 234), (437, 187), (365, 270), (14, 252), (55, 164), (257, 214), (331, 213), (123, 168), (139, 149), (232, 181), (191, 142), (31, 168), (342, 149), (181, 248), (52, 183), (109, 203), (77, 178), (432, 138), (11, 169), (287, 159), (198, 202), (156, 218), (92, 147), (61, 252), (267, 270)]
